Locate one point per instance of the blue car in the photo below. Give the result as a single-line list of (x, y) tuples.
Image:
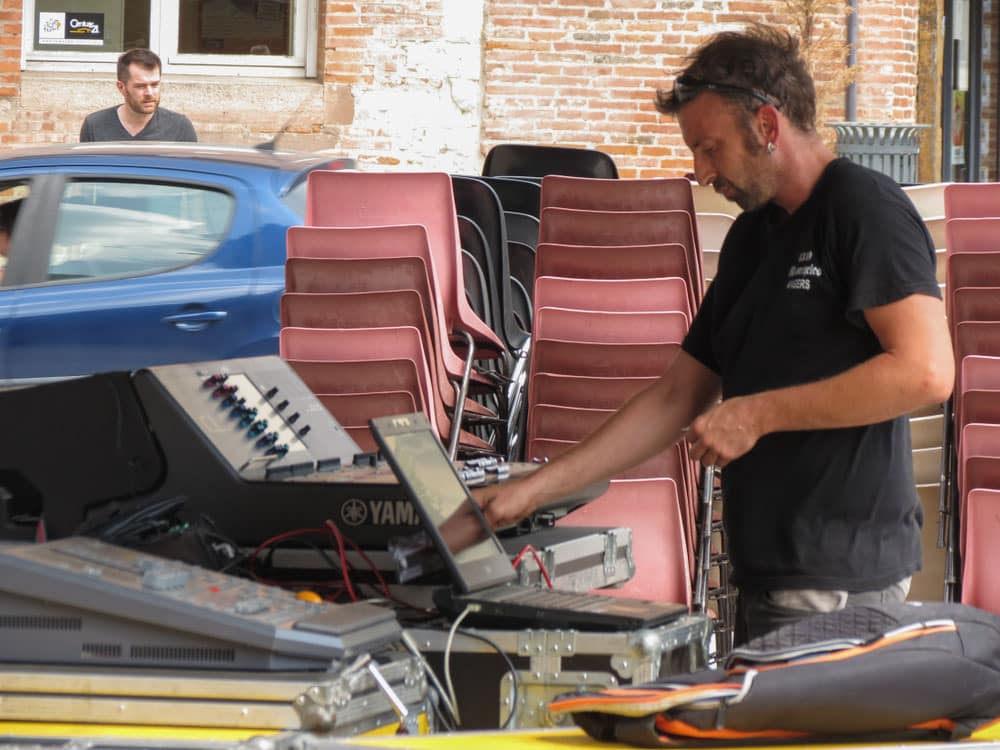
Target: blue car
[(128, 255)]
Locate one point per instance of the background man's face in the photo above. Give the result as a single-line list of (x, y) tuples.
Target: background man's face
[(141, 90)]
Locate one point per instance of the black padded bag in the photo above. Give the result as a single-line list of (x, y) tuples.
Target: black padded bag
[(903, 671)]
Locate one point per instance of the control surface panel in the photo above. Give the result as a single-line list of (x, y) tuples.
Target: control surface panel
[(259, 416), (120, 586)]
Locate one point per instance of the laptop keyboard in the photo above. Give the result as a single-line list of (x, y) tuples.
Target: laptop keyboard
[(546, 598)]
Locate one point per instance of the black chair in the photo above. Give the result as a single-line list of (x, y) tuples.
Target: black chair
[(521, 300), (477, 201), (521, 227), (519, 159), (475, 287), (475, 245), (517, 194), (522, 270)]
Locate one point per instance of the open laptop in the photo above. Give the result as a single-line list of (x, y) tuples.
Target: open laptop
[(485, 581)]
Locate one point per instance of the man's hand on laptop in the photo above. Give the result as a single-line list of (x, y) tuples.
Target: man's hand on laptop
[(506, 503)]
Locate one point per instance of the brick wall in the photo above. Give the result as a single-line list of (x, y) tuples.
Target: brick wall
[(10, 58), (402, 81), (399, 88), (887, 60), (432, 84), (582, 72)]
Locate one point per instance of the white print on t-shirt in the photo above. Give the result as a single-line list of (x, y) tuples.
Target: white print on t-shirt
[(800, 276)]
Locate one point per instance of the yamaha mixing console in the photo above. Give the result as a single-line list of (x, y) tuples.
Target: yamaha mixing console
[(243, 441)]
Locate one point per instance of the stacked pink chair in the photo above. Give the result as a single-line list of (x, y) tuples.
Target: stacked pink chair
[(617, 279), (972, 237), (374, 316)]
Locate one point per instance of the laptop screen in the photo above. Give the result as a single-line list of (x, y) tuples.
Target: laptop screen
[(463, 537)]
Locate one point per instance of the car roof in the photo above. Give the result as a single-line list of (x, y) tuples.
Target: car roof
[(151, 151)]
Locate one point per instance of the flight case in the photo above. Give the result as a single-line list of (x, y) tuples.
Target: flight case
[(364, 696), (550, 662)]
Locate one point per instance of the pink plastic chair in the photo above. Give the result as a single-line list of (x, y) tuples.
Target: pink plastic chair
[(978, 466), (318, 275), (611, 261), (652, 194), (976, 337), (577, 227), (355, 409), (972, 269), (616, 262), (383, 274), (375, 376), (663, 464), (980, 406), (651, 509), (381, 241), (610, 327), (364, 438), (316, 344), (977, 372), (977, 378), (973, 235), (655, 194), (379, 309), (365, 199), (359, 345), (585, 392), (974, 303), (613, 295), (383, 308), (392, 242), (368, 310), (971, 199), (981, 559), (602, 360), (558, 422)]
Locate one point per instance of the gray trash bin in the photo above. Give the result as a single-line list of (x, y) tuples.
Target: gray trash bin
[(889, 149)]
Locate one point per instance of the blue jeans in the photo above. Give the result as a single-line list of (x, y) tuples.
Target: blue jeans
[(759, 612)]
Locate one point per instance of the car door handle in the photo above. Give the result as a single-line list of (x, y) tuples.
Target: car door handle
[(195, 321)]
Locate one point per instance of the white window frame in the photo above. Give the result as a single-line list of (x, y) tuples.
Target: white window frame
[(163, 29)]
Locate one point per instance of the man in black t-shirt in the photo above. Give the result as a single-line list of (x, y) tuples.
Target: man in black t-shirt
[(140, 117), (822, 329)]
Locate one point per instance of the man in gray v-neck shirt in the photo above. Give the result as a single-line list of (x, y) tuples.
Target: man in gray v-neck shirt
[(140, 117)]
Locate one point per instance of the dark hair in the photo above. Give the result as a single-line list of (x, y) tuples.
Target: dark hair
[(8, 215), (145, 58), (760, 59)]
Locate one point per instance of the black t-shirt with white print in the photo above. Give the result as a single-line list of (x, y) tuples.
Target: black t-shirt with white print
[(826, 509)]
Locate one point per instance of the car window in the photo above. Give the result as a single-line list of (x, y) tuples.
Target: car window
[(108, 227), (11, 196)]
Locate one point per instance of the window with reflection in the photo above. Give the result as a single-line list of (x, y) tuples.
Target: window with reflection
[(110, 228), (239, 34), (235, 27)]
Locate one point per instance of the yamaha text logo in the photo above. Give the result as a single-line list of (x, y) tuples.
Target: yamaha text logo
[(378, 513)]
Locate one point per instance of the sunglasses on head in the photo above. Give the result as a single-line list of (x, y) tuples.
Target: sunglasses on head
[(688, 87)]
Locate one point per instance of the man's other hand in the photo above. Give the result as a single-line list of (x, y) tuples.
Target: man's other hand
[(724, 433)]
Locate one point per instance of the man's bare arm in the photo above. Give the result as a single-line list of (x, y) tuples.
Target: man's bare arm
[(915, 369), (648, 423)]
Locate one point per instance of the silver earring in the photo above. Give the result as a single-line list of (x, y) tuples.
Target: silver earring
[(770, 147)]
